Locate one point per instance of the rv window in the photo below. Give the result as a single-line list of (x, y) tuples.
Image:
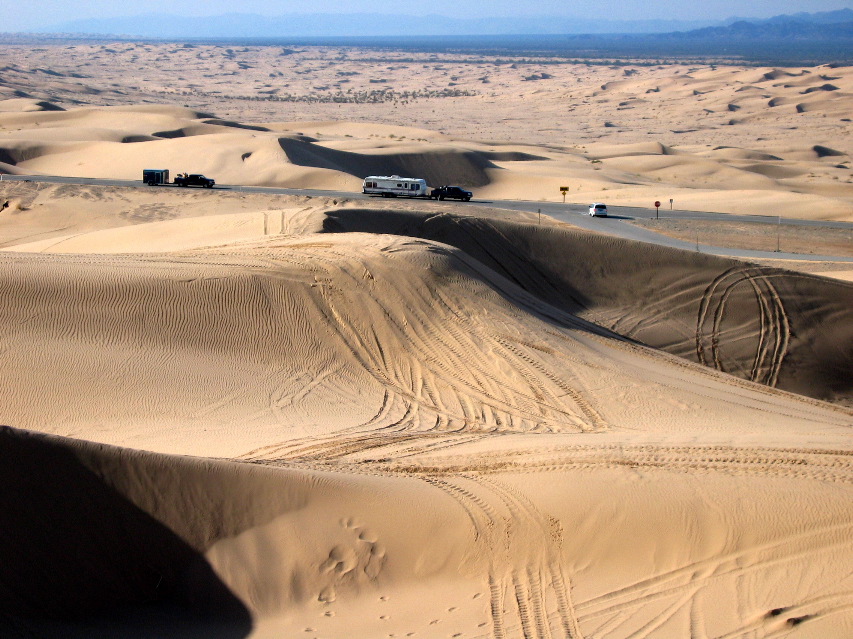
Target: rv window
[(399, 186)]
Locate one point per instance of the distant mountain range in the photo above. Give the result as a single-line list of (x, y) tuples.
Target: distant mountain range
[(823, 17), (829, 24), (240, 25)]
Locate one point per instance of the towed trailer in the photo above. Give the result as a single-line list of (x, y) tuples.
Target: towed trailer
[(154, 177), (394, 186)]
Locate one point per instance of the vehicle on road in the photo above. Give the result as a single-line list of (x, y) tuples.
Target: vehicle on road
[(154, 177), (394, 186), (597, 209), (451, 193), (194, 179)]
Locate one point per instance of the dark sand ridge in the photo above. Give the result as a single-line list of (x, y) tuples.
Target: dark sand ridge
[(114, 540), (789, 330), (436, 166), (103, 528)]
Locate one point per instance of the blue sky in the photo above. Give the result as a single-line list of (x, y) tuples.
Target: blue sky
[(33, 14)]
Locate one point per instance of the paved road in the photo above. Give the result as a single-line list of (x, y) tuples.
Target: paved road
[(616, 224)]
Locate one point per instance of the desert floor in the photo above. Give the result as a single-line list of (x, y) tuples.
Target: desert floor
[(250, 415)]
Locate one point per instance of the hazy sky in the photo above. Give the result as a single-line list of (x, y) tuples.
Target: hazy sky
[(18, 15)]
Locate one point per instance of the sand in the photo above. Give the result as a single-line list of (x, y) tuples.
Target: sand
[(756, 140), (232, 414)]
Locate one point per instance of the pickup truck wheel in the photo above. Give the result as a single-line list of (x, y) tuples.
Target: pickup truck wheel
[(441, 197), (467, 199)]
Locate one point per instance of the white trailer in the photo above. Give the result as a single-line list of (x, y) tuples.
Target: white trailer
[(394, 186)]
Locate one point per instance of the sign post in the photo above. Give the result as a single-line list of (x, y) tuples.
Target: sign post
[(657, 210), (670, 204), (779, 234), (564, 190)]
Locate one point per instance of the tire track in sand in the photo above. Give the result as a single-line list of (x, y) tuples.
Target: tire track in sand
[(773, 323), (523, 546)]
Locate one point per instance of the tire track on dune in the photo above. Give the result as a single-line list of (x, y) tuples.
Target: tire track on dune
[(380, 367), (759, 397), (490, 535), (683, 582), (675, 297), (523, 272), (594, 422), (522, 547), (774, 325), (829, 466), (782, 320), (835, 466), (488, 530), (545, 561), (370, 352), (779, 622), (546, 402), (530, 595), (339, 447)]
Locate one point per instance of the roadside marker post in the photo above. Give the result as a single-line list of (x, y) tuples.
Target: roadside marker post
[(779, 234)]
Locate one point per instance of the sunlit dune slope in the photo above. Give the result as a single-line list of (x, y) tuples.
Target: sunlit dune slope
[(349, 420), (324, 333), (482, 536)]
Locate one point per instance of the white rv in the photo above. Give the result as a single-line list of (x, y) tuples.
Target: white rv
[(394, 186)]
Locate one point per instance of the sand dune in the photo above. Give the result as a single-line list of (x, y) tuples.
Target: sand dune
[(233, 414), (417, 421), (594, 129), (578, 272), (542, 543)]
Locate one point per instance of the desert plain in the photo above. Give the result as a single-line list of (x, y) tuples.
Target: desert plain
[(231, 413)]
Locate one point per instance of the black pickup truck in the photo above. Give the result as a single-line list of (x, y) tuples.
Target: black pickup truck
[(194, 179), (451, 193)]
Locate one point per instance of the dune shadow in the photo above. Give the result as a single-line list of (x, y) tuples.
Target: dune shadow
[(467, 168), (78, 555), (517, 256)]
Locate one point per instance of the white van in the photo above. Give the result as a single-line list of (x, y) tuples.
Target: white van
[(394, 186)]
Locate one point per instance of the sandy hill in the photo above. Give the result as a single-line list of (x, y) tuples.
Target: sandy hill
[(230, 414), (269, 417), (118, 142)]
